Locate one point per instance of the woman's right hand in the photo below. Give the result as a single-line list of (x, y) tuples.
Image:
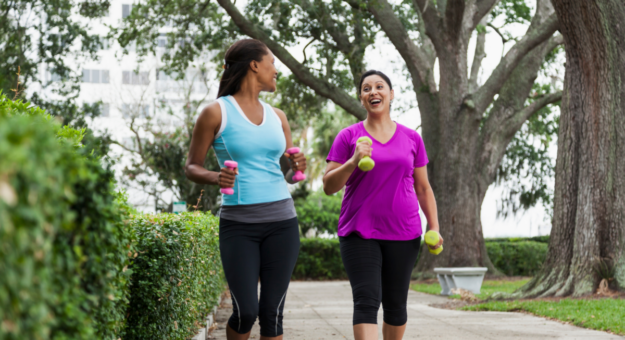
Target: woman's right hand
[(226, 177), (362, 149)]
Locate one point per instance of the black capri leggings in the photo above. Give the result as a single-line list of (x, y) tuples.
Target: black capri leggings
[(250, 251), (379, 271)]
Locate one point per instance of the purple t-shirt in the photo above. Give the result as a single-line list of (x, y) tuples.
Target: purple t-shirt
[(381, 203)]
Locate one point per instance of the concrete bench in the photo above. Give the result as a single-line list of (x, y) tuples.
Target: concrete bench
[(469, 278)]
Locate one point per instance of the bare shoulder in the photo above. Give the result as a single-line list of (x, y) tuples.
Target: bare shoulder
[(210, 117), (281, 115)]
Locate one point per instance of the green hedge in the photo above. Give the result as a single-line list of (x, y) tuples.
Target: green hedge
[(319, 259), (62, 240), (75, 263), (522, 258), (540, 239), (177, 277)]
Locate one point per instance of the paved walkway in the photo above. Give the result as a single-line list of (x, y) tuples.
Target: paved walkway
[(323, 311)]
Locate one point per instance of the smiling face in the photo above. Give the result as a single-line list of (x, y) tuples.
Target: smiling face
[(376, 95), (266, 72)]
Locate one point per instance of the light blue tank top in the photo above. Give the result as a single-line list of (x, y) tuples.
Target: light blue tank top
[(257, 149)]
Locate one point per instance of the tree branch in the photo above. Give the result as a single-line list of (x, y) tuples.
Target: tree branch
[(509, 113), (339, 36), (431, 18), (479, 56), (304, 50), (322, 87), (503, 39), (415, 58), (483, 7), (509, 62), (536, 106)]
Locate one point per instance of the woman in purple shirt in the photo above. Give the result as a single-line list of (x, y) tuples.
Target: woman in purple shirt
[(379, 227)]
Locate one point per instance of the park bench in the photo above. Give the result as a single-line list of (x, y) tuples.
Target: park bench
[(469, 278)]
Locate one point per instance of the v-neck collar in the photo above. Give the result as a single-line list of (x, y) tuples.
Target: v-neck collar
[(236, 105), (362, 124)]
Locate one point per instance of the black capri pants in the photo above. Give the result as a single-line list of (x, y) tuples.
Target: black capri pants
[(250, 251), (379, 271)]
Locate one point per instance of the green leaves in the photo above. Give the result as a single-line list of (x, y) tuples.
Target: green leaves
[(62, 238), (319, 259), (523, 258), (176, 275), (527, 170), (515, 11), (319, 213)]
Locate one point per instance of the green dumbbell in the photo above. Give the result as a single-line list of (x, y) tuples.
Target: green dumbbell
[(366, 163), (431, 239)]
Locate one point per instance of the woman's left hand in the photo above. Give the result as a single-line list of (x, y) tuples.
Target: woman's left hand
[(298, 161)]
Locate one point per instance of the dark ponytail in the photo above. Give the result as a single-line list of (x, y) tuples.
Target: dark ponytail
[(238, 58)]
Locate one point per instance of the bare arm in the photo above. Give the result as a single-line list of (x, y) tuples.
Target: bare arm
[(298, 160), (425, 195), (337, 174), (206, 127)]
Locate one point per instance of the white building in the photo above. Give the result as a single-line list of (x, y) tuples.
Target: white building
[(134, 91)]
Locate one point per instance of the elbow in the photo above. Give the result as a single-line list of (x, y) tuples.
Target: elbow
[(421, 191), (187, 172), (326, 190)]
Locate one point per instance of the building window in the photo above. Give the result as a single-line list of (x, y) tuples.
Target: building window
[(53, 76), (105, 110), (86, 76), (95, 76), (135, 110), (134, 78), (104, 43), (105, 76), (125, 11)]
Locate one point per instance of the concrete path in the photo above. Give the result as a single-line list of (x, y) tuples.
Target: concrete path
[(323, 311)]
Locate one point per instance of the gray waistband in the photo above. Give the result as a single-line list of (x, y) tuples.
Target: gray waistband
[(259, 213)]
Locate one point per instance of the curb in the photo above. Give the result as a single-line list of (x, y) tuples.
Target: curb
[(210, 320)]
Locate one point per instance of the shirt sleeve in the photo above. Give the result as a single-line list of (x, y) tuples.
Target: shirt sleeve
[(341, 150), (421, 157)]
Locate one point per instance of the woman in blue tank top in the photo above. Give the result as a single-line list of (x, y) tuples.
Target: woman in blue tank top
[(258, 228)]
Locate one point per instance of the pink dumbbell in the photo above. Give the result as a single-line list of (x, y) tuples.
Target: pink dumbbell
[(299, 176), (230, 165)]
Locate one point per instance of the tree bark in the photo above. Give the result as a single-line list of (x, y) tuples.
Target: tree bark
[(589, 202)]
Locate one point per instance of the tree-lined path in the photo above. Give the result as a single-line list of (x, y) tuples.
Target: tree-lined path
[(323, 310)]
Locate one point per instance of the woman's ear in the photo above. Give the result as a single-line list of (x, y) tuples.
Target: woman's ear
[(392, 94), (254, 66)]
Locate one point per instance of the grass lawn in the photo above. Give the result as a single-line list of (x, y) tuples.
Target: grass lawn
[(601, 314), (605, 314)]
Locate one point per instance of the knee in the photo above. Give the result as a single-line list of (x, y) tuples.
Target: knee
[(396, 315), (366, 310), (242, 322)]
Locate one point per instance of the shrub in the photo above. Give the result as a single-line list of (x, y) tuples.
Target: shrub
[(319, 259), (62, 242), (540, 239), (176, 275), (522, 258), (319, 212)]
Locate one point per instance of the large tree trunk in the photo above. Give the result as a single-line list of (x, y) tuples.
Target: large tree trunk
[(589, 210)]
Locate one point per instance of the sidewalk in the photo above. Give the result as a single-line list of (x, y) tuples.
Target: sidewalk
[(323, 310)]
